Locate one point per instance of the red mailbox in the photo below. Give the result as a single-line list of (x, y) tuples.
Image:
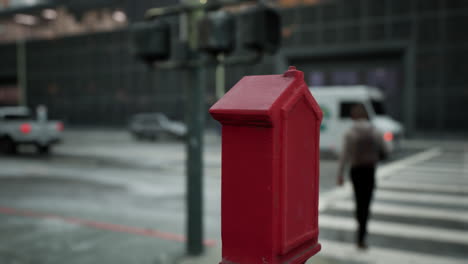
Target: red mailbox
[(270, 170)]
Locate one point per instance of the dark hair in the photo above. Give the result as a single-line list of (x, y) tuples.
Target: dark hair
[(358, 111)]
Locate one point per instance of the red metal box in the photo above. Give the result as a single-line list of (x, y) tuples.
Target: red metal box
[(270, 170)]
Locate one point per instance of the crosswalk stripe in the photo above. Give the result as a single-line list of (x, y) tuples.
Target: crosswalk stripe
[(349, 253), (422, 197), (438, 170), (411, 211), (414, 179), (456, 189), (390, 169), (447, 165), (399, 230), (436, 175), (427, 178), (449, 162)]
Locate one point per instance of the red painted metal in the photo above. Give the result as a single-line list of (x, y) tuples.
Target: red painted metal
[(270, 170)]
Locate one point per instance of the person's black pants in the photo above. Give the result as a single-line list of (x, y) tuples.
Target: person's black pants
[(363, 179)]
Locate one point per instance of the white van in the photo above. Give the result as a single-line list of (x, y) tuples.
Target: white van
[(336, 103)]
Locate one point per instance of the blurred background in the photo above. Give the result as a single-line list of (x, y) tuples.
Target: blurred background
[(95, 167), (79, 62)]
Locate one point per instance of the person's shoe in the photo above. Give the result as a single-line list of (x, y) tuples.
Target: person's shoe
[(362, 246)]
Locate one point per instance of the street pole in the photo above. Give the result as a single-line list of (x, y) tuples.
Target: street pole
[(220, 77), (21, 70), (196, 123), (190, 11)]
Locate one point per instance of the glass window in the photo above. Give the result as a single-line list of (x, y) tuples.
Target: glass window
[(379, 107), (316, 78), (345, 108), (345, 78), (17, 117)]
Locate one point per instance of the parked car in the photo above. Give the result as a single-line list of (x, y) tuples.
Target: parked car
[(153, 126), (19, 127), (336, 103)]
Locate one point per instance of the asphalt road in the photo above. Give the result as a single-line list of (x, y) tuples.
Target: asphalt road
[(102, 197)]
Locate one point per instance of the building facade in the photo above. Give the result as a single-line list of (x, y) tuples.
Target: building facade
[(415, 51)]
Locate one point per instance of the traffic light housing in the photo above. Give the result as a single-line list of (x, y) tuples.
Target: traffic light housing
[(151, 41), (216, 32), (260, 28)]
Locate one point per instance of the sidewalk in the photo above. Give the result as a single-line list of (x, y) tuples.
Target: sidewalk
[(213, 256), (418, 217), (419, 213)]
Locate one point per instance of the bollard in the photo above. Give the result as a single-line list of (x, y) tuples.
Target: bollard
[(270, 170)]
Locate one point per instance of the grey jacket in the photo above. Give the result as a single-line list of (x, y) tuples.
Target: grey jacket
[(363, 145)]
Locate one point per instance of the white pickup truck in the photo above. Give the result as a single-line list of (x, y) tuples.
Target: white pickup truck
[(19, 127)]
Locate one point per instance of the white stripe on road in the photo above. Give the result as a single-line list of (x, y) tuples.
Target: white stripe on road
[(348, 253), (429, 177), (383, 171), (458, 165), (428, 187), (389, 169), (429, 180), (447, 161), (438, 170), (408, 211), (453, 174), (397, 230), (422, 198)]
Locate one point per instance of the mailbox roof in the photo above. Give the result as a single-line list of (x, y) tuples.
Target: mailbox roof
[(254, 99), (255, 93)]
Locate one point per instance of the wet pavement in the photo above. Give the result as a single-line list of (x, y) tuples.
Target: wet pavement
[(99, 198), (102, 197)]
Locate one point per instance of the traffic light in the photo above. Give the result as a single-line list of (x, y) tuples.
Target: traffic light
[(151, 41), (260, 28), (216, 32)]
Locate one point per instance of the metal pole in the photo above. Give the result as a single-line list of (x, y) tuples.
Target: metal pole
[(220, 77), (21, 70), (191, 11), (196, 123)]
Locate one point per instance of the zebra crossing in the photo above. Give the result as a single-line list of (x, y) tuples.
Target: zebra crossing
[(419, 213)]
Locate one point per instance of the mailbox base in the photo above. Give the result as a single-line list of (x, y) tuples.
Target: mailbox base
[(298, 256), (302, 258), (301, 254)]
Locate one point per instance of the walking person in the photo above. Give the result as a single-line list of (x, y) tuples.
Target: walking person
[(362, 149)]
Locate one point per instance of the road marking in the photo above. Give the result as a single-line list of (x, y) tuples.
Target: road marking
[(459, 165), (378, 255), (397, 230), (428, 187), (422, 198), (101, 225), (390, 175), (383, 171), (412, 211), (429, 177), (391, 168), (430, 180), (439, 170)]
